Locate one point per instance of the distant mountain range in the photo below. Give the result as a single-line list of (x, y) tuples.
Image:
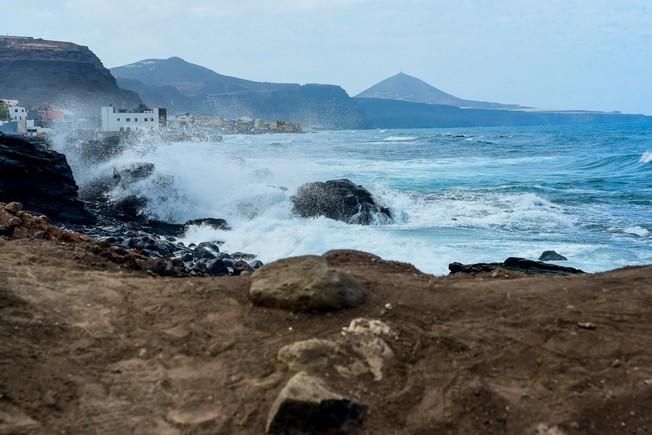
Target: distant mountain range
[(39, 72), (403, 87), (185, 87), (401, 101)]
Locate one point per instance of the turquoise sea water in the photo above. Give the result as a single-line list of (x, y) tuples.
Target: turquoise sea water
[(464, 194)]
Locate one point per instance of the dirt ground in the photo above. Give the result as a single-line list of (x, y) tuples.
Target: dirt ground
[(87, 347)]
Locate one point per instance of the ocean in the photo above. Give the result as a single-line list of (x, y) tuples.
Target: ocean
[(457, 194)]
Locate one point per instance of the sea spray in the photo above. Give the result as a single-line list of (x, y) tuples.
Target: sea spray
[(452, 200)]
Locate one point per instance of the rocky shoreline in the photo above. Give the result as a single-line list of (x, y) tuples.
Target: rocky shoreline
[(123, 221), (111, 324)]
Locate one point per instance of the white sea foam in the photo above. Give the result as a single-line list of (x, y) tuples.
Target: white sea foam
[(249, 181), (646, 157), (400, 138), (637, 231)]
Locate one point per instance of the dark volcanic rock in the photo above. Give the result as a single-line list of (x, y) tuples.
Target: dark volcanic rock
[(206, 250), (130, 208), (41, 179), (341, 200), (217, 224), (513, 264), (218, 268), (95, 151), (552, 256)]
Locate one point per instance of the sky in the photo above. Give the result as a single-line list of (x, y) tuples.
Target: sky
[(551, 54)]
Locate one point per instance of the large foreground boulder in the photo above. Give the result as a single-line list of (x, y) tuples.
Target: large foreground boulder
[(305, 284), (341, 200), (40, 179), (306, 405), (513, 264)]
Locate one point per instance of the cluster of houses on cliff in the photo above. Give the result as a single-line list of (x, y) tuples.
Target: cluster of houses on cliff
[(112, 121), (17, 119), (14, 118)]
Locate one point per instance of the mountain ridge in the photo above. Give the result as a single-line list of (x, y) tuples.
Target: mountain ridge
[(189, 78), (404, 87), (183, 87)]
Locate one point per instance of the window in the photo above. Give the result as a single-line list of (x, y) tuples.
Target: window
[(128, 119), (118, 119)]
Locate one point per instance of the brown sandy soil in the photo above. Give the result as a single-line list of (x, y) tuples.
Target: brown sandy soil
[(87, 346)]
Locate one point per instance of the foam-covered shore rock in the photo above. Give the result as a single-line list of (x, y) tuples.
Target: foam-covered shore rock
[(340, 200), (41, 179), (552, 256), (305, 284)]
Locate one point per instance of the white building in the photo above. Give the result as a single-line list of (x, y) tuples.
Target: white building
[(115, 120), (16, 112)]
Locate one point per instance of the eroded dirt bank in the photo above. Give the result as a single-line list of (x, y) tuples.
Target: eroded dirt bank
[(89, 346)]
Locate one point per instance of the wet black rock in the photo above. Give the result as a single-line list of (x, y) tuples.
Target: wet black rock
[(243, 256), (163, 228), (130, 208), (241, 266), (341, 200), (513, 264), (218, 267), (217, 224), (256, 264), (98, 189), (133, 173), (552, 256), (96, 151), (41, 179), (206, 250)]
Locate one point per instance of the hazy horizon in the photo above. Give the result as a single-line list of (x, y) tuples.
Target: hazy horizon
[(575, 54)]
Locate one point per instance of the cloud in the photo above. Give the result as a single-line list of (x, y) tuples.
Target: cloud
[(201, 8), (236, 7)]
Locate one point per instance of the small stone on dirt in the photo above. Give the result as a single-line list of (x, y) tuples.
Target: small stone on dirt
[(13, 207), (306, 405), (313, 352), (363, 326)]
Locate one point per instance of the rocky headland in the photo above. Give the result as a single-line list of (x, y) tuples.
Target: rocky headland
[(117, 327), (41, 72)]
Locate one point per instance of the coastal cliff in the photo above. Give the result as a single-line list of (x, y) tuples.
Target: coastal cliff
[(40, 72)]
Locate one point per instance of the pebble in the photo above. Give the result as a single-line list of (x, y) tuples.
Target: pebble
[(13, 207)]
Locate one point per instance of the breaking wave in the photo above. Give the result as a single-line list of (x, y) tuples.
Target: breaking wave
[(646, 157), (449, 203), (400, 138)]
